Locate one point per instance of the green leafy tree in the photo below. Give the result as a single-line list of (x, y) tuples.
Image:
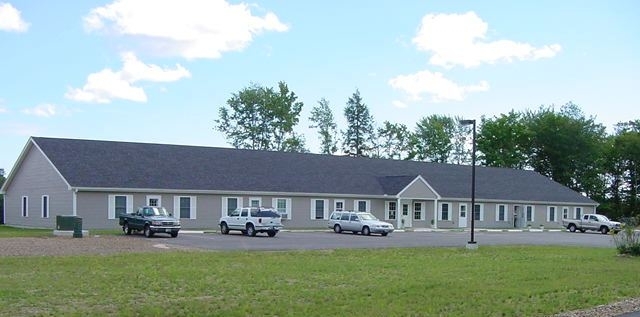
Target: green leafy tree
[(393, 141), (504, 141), (624, 166), (432, 139), (322, 119), (261, 118), (461, 146), (359, 137)]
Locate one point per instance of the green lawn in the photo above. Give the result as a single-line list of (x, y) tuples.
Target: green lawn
[(12, 232), (491, 281)]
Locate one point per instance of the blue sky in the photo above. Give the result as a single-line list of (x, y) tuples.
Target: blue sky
[(158, 71)]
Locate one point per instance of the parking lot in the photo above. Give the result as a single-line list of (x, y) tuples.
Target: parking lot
[(329, 240)]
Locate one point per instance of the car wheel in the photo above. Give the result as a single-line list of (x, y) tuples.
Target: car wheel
[(337, 229), (366, 231), (147, 231), (384, 234), (251, 231), (572, 228), (272, 233), (126, 229), (224, 229), (604, 230), (174, 234)]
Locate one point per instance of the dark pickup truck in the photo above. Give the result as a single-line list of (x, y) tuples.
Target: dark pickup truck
[(150, 220)]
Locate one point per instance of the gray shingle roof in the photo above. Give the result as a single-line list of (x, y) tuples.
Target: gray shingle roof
[(108, 164)]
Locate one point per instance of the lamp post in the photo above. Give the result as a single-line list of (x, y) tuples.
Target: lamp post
[(472, 243)]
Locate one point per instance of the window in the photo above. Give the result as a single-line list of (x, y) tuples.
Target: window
[(444, 211), (234, 213), (529, 212), (283, 206), (417, 211), (392, 209), (318, 208), (45, 206), (230, 204), (565, 212), (154, 201), (184, 207), (463, 211), (578, 212), (551, 214), (338, 205), (405, 209), (255, 202), (478, 212), (25, 206), (119, 204), (361, 205), (501, 212)]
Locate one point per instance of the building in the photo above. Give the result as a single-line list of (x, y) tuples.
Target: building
[(97, 180)]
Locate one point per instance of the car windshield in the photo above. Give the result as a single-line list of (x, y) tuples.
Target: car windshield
[(604, 218), (368, 216), (159, 211)]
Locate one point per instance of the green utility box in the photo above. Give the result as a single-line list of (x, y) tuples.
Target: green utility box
[(77, 227), (65, 223)]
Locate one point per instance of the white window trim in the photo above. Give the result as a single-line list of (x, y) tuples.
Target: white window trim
[(473, 211), (259, 199), (225, 204), (312, 214), (42, 207), (336, 201), (449, 207), (423, 210), (24, 204), (387, 210), (158, 197), (367, 202), (193, 201), (111, 213), (533, 213), (555, 213), (274, 204), (506, 210), (567, 209)]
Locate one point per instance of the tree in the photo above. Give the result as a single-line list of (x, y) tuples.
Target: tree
[(461, 147), (322, 118), (431, 140), (359, 136), (623, 170), (393, 141), (503, 141), (261, 118)]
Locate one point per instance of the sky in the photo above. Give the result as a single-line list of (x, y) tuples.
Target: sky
[(158, 71)]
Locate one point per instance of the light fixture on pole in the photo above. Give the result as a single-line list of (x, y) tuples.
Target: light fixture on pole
[(472, 243)]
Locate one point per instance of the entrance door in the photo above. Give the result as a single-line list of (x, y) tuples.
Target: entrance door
[(406, 216), (462, 216)]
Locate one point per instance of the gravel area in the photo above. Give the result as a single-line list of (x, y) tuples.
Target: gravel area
[(118, 244)]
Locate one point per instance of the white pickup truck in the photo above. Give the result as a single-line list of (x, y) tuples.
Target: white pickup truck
[(592, 222), (251, 220)]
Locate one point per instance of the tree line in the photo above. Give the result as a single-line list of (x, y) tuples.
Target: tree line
[(562, 144)]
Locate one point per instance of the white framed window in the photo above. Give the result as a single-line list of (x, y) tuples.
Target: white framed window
[(478, 212), (529, 213), (185, 207), (255, 202), (565, 212), (501, 212), (362, 205), (319, 209), (45, 206), (154, 200), (445, 211), (392, 210), (230, 204), (283, 206), (25, 206), (119, 204), (338, 204), (418, 211), (551, 214), (577, 213)]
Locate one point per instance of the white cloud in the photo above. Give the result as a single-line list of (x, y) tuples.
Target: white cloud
[(460, 39), (399, 104), (434, 84), (3, 109), (106, 85), (43, 110), (10, 19), (187, 28)]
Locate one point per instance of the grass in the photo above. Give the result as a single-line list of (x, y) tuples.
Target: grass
[(12, 232), (491, 281)]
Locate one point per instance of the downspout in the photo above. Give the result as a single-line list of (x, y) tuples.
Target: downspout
[(435, 214), (398, 213), (75, 201)]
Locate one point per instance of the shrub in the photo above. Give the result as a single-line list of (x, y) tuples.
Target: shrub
[(628, 240)]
